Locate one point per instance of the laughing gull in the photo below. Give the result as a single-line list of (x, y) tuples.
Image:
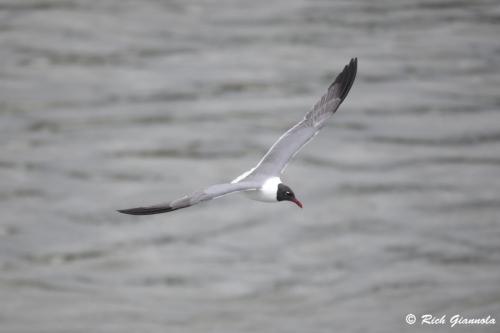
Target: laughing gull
[(263, 182)]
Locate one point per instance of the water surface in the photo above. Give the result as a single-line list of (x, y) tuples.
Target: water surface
[(112, 104)]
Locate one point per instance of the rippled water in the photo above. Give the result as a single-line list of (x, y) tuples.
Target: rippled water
[(111, 104)]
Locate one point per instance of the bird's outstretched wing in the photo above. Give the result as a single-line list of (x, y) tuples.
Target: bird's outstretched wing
[(278, 156), (209, 193)]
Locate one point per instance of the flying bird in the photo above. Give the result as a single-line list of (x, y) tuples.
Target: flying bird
[(263, 182)]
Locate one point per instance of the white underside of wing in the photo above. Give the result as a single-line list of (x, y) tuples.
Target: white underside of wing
[(297, 151), (242, 176)]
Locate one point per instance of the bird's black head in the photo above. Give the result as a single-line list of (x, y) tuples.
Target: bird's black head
[(285, 193)]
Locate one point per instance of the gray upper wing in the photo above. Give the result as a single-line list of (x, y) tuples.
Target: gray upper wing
[(209, 193), (276, 159)]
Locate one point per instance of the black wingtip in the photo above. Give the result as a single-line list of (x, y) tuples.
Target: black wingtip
[(146, 210), (345, 79)]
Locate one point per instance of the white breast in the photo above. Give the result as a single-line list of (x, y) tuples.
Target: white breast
[(267, 192)]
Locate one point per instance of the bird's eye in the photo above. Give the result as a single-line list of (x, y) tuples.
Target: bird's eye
[(288, 194)]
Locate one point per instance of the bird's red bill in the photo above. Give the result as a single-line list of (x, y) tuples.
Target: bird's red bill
[(297, 202)]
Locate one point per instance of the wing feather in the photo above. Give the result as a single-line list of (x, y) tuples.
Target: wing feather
[(289, 144), (194, 198)]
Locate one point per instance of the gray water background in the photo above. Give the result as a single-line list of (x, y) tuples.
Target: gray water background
[(113, 104)]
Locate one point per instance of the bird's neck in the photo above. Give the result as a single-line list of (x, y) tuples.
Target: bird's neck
[(270, 188)]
